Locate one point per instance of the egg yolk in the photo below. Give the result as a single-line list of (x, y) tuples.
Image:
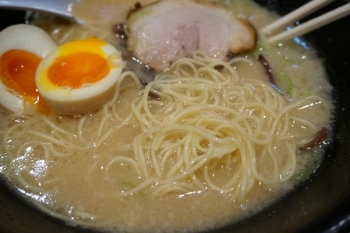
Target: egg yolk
[(17, 72), (76, 69), (17, 69)]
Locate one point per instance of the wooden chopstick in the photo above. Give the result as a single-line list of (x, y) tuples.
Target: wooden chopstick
[(305, 27), (295, 15)]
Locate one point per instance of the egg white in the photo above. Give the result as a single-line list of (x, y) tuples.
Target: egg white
[(28, 38), (89, 97)]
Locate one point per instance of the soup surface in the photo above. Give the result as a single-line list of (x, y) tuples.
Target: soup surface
[(116, 170)]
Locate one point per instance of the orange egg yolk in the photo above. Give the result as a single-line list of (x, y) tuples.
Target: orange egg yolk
[(17, 72), (17, 69), (75, 70)]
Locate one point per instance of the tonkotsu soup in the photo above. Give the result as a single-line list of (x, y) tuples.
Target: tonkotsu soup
[(205, 144)]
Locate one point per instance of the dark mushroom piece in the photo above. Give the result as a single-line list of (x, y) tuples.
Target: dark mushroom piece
[(119, 30), (152, 94), (316, 141), (268, 72)]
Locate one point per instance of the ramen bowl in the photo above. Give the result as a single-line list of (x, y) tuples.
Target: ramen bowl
[(319, 204)]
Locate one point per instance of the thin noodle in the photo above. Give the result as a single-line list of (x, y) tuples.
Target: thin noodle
[(205, 119)]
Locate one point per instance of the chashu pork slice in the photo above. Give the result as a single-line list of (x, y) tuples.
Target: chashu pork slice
[(160, 33)]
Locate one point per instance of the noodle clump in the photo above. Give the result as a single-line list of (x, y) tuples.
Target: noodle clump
[(199, 126)]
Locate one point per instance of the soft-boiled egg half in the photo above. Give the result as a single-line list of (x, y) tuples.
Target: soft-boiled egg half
[(79, 76), (22, 48)]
